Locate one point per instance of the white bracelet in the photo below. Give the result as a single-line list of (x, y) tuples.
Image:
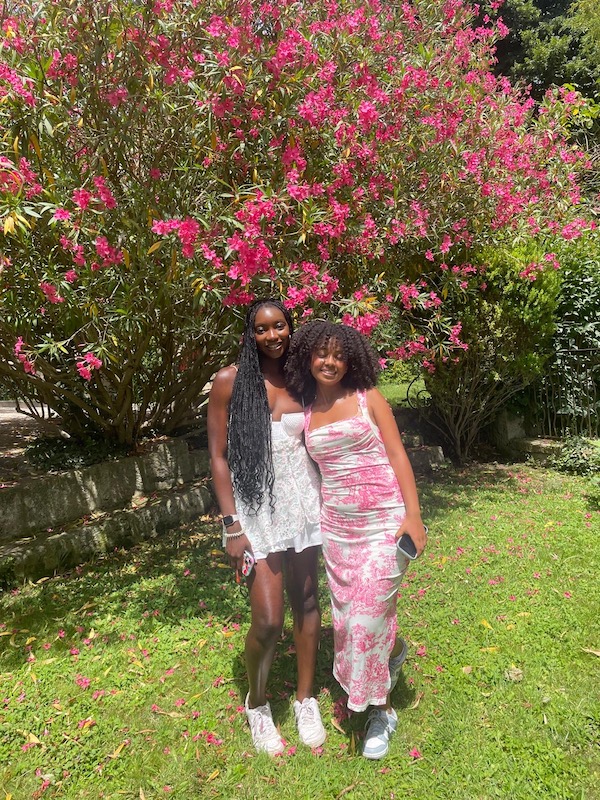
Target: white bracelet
[(233, 535)]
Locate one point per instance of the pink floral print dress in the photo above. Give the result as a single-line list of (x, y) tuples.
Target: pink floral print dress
[(362, 508)]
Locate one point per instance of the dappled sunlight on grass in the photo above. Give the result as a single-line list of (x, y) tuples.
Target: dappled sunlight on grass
[(126, 677)]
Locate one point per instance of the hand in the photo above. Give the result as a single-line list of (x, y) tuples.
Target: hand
[(235, 548), (413, 525)]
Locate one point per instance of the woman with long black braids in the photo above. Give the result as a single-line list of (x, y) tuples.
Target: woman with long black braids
[(268, 493)]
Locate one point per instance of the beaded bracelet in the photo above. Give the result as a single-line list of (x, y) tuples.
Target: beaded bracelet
[(233, 535)]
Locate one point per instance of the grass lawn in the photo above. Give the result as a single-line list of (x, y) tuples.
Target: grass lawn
[(125, 679), (401, 394)]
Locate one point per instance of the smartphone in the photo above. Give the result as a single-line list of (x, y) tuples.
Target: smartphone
[(248, 565), (407, 547)]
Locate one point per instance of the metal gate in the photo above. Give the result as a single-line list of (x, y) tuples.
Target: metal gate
[(568, 400)]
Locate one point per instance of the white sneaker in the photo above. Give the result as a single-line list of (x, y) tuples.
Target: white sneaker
[(265, 736), (380, 726), (308, 721), (395, 665)]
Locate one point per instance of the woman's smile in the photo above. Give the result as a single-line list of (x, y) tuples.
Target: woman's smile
[(328, 363), (271, 331)]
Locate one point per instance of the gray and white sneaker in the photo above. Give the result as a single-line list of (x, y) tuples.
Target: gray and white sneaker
[(381, 724), (265, 736), (308, 721), (395, 665)]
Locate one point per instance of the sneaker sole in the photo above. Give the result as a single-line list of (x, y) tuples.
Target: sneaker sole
[(316, 743), (376, 756)]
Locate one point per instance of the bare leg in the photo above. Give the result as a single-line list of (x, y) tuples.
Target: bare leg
[(265, 585), (302, 590)]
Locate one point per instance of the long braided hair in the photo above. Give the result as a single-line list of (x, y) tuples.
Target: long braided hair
[(249, 452)]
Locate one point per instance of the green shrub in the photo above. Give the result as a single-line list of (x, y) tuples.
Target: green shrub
[(578, 456), (54, 454), (507, 332)]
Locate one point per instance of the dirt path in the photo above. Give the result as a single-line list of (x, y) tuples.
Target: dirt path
[(16, 432)]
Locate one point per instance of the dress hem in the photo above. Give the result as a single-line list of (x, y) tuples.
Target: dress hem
[(282, 548), (352, 707)]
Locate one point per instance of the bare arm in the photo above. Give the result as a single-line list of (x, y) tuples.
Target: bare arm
[(382, 415), (217, 421)]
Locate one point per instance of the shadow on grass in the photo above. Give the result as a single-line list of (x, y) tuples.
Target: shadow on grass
[(166, 581), (182, 576), (452, 487), (282, 683)]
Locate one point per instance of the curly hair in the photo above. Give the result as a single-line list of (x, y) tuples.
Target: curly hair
[(363, 366), (249, 452)]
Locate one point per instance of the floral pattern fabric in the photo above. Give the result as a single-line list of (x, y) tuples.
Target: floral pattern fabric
[(295, 520), (362, 509)]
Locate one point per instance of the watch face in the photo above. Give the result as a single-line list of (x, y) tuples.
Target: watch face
[(228, 520)]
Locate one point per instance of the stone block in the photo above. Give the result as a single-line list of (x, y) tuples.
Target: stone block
[(424, 458), (32, 558), (51, 501)]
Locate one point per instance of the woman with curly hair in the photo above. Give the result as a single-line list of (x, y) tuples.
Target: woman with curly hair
[(369, 499), (267, 489)]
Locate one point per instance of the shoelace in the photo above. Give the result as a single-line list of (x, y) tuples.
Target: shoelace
[(378, 724), (259, 725), (307, 711)]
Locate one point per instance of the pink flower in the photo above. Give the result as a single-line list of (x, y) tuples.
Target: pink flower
[(61, 214), (117, 96), (92, 361), (71, 276), (165, 226), (51, 292), (84, 371), (81, 198), (104, 193), (415, 753), (108, 254), (367, 115)]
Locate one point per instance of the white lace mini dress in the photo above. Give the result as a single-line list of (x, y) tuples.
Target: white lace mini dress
[(295, 519)]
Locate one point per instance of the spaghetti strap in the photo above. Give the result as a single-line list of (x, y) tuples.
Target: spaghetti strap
[(307, 416), (361, 398)]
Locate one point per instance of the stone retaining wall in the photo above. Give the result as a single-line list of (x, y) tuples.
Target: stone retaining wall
[(49, 501), (53, 522)]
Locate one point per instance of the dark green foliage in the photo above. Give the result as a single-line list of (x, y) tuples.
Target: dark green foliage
[(548, 44), (56, 454), (568, 395), (578, 318), (579, 456), (508, 332)]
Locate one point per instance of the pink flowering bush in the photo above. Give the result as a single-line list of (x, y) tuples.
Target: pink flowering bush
[(162, 163)]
